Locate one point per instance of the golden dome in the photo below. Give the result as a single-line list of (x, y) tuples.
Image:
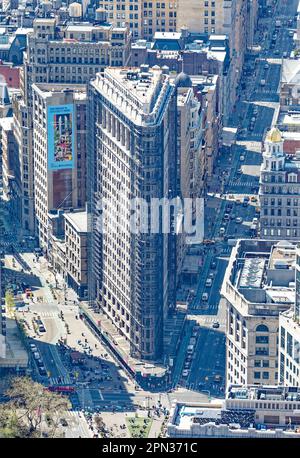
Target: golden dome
[(274, 135)]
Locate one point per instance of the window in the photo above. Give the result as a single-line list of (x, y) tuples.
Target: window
[(262, 339), (262, 328), (256, 375)]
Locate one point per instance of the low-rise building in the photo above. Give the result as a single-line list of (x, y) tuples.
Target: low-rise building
[(76, 270), (247, 412)]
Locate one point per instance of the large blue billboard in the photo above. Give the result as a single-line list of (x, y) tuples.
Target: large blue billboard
[(61, 137)]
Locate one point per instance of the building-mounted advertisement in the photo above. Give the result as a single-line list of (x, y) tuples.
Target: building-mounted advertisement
[(61, 137)]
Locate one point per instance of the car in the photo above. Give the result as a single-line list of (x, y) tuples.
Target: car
[(266, 66), (226, 217), (242, 157), (213, 265), (216, 324), (33, 347), (240, 171), (253, 199), (42, 370), (204, 297), (262, 82), (238, 220), (63, 422), (277, 52), (211, 275), (185, 373), (285, 54), (222, 230), (208, 282), (187, 364), (291, 33), (208, 242), (255, 221)]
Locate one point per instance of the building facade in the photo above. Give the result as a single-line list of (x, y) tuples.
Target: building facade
[(76, 249), (289, 337), (143, 18), (67, 54), (133, 154), (59, 150), (279, 190), (258, 285)]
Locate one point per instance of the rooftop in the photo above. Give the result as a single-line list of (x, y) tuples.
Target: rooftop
[(263, 273), (78, 220), (265, 392)]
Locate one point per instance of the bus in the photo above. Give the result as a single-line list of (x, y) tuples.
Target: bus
[(61, 389)]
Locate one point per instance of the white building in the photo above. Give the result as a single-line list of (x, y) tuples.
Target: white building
[(258, 285), (279, 191), (289, 337)]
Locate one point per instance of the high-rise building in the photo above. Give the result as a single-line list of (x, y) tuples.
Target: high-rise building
[(258, 285), (133, 156), (143, 18), (279, 190), (223, 17), (59, 150), (67, 54)]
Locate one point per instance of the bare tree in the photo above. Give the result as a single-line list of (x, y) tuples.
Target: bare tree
[(29, 403)]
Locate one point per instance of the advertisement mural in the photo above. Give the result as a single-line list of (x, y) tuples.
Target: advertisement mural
[(61, 136)]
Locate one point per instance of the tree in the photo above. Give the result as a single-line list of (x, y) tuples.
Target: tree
[(29, 403)]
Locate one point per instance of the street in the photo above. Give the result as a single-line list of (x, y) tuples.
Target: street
[(231, 206)]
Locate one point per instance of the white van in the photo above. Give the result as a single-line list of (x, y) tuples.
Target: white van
[(190, 349)]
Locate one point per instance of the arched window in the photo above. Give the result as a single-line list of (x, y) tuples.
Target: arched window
[(262, 328)]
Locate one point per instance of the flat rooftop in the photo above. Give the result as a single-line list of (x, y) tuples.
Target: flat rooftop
[(141, 84), (78, 220), (264, 271), (49, 89), (253, 392)]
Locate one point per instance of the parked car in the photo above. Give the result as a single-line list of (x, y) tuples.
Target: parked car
[(216, 324), (238, 220), (204, 297), (185, 373)]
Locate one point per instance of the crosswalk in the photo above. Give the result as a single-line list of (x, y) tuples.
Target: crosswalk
[(226, 251), (48, 314), (60, 381), (245, 184)]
